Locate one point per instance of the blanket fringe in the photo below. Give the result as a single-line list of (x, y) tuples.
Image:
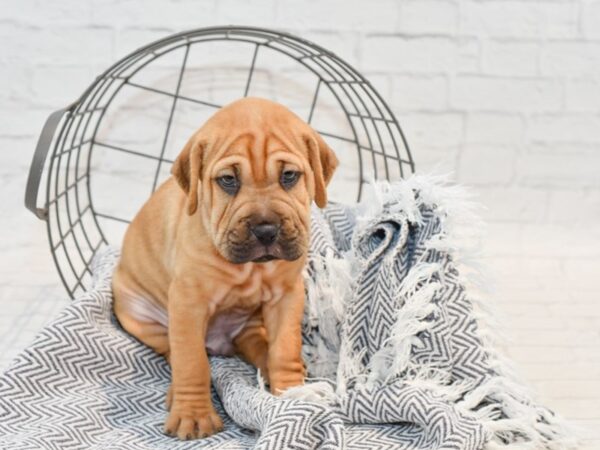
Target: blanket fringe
[(504, 407), (328, 288)]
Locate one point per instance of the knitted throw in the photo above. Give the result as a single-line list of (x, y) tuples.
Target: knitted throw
[(396, 354)]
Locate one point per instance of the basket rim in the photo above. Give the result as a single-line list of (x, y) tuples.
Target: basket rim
[(208, 30)]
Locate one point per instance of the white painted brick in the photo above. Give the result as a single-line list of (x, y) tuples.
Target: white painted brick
[(57, 86), (419, 93), (585, 295), (574, 207), (434, 140), (583, 95), (582, 272), (180, 15), (15, 80), (510, 58), (380, 17), (129, 39), (561, 148), (487, 165), (436, 160), (428, 17), (382, 83), (504, 94), (561, 240), (20, 121), (21, 36), (590, 18), (572, 313), (559, 170), (70, 45), (43, 13), (579, 408), (469, 56), (409, 55), (17, 161), (563, 128), (432, 131), (519, 19), (562, 336), (590, 432), (569, 390), (493, 128), (570, 58), (262, 13), (513, 204), (540, 296), (581, 370), (543, 354)]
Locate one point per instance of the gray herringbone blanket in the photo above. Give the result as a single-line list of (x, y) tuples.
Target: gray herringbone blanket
[(394, 352)]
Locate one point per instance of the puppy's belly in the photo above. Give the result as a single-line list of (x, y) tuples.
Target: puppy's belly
[(222, 328)]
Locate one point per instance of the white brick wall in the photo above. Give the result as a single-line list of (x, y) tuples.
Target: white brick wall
[(506, 94)]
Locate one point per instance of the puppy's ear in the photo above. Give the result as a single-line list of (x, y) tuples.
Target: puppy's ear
[(323, 163), (186, 170)]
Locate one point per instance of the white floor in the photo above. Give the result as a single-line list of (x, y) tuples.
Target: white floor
[(546, 295), (548, 299)]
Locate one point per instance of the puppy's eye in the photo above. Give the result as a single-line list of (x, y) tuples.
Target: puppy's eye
[(289, 178), (229, 184)]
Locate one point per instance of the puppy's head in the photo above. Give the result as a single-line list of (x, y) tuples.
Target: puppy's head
[(251, 173)]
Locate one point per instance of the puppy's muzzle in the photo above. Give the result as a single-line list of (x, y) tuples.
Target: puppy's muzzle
[(262, 238)]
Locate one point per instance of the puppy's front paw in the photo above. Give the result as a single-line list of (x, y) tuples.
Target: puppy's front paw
[(284, 376), (187, 422), (282, 381)]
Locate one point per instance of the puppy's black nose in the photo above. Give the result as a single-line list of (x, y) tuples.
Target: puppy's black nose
[(266, 233)]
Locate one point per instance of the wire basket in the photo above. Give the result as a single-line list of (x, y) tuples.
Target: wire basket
[(112, 147)]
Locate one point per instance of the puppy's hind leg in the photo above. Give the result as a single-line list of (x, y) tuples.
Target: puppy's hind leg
[(153, 334), (150, 332), (138, 315)]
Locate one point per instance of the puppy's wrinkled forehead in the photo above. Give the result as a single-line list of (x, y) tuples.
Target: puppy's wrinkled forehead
[(251, 125), (253, 112)]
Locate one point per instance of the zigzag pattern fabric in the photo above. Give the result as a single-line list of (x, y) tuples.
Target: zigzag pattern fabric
[(391, 342)]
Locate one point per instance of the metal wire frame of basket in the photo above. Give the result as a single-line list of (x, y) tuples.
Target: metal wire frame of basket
[(78, 228)]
